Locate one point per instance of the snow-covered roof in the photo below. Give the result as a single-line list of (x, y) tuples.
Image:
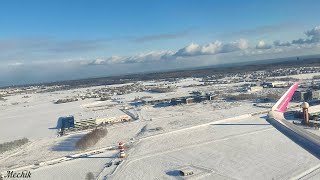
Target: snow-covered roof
[(98, 114), (314, 109)]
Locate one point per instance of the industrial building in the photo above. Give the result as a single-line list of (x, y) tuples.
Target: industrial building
[(314, 95), (65, 122), (103, 117), (299, 96), (186, 171), (274, 84), (86, 120), (111, 120), (306, 95)]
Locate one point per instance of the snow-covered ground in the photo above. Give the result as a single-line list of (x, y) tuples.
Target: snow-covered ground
[(168, 118), (218, 139), (76, 169), (305, 76), (248, 148), (301, 76), (180, 83), (32, 117)]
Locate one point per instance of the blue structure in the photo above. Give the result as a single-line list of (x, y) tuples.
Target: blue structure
[(65, 122)]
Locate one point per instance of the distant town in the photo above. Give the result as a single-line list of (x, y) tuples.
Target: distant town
[(251, 81)]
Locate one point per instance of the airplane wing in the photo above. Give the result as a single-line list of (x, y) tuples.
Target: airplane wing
[(299, 135), (283, 102)]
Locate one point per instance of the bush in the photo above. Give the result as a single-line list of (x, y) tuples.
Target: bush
[(7, 146), (91, 138), (272, 97), (89, 176), (105, 98)]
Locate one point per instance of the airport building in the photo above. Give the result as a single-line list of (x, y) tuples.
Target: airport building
[(92, 119), (108, 116), (306, 95), (65, 122), (299, 96), (275, 84)]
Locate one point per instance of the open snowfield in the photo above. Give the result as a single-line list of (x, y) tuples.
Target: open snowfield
[(301, 76), (168, 118), (305, 76), (217, 139), (32, 117), (76, 169), (248, 148)]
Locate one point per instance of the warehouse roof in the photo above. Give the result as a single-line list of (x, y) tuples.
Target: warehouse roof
[(314, 109), (98, 114)]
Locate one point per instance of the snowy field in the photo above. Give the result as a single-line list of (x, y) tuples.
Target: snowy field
[(32, 117), (217, 139), (301, 76), (305, 76), (76, 169), (249, 148)]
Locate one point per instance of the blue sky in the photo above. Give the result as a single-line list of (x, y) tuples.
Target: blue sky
[(126, 35)]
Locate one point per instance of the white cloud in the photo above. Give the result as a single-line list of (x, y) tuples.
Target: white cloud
[(139, 58), (191, 55), (150, 56), (190, 50), (262, 45), (243, 44), (235, 46), (212, 48)]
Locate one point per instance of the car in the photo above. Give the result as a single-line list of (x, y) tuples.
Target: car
[(109, 164)]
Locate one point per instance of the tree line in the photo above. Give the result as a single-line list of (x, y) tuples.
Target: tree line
[(91, 138), (239, 97), (7, 146)]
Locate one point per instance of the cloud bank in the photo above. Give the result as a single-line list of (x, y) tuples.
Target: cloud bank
[(212, 48), (191, 55), (217, 47)]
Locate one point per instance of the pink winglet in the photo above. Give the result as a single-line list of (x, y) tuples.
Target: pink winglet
[(283, 102)]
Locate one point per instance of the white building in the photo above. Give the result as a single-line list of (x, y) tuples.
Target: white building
[(107, 116), (255, 89), (275, 84)]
